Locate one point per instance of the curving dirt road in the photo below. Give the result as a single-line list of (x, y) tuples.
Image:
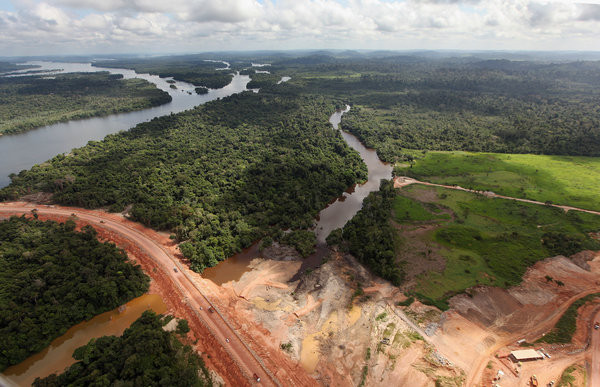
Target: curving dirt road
[(401, 181), (248, 362), (595, 348), (474, 375)]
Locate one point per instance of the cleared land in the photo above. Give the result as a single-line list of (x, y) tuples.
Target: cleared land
[(487, 241), (567, 180)]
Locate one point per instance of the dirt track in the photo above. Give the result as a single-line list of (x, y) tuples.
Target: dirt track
[(245, 361), (401, 181)]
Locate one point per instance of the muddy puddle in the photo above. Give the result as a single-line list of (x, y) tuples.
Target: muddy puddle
[(233, 267), (58, 356)]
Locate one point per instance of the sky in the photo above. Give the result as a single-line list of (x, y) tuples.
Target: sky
[(71, 27)]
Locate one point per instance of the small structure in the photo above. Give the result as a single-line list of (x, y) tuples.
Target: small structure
[(525, 355)]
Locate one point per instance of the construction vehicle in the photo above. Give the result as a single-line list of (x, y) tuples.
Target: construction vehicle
[(533, 381)]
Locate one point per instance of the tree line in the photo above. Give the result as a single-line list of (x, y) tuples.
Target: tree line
[(53, 277)]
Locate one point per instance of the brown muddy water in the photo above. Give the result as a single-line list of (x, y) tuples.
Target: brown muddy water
[(346, 206), (233, 267), (58, 356), (334, 216)]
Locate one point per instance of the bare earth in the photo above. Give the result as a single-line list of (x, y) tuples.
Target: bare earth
[(235, 361), (595, 351), (340, 325)]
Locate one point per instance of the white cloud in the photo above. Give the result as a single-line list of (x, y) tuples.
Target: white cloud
[(64, 26)]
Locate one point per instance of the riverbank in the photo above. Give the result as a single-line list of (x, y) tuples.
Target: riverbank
[(30, 102), (59, 355), (22, 151)]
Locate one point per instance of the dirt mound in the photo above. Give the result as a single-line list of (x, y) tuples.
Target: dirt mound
[(521, 308), (582, 258)]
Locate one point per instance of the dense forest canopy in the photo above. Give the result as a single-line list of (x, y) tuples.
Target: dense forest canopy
[(191, 68), (370, 237), (219, 176), (459, 103), (226, 173), (145, 355), (52, 277), (32, 101)]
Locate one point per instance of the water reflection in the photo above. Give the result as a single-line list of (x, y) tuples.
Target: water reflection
[(24, 150)]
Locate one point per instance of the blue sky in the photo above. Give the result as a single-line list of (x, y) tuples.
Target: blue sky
[(40, 27), (6, 5)]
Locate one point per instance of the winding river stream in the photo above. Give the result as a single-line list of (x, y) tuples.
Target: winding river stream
[(335, 215), (56, 357), (24, 150)]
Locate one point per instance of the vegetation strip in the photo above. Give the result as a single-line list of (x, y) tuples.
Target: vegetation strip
[(564, 329), (30, 102)]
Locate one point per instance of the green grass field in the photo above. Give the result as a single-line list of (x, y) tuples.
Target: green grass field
[(491, 241), (566, 180), (407, 209)]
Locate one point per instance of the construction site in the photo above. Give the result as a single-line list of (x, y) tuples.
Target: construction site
[(345, 327), (337, 325)]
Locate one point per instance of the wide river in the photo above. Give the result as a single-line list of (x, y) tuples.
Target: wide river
[(24, 150)]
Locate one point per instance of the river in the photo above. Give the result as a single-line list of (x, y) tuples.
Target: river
[(58, 356), (346, 206), (24, 150), (335, 215)]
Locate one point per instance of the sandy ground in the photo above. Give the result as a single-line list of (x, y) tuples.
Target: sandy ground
[(235, 360), (340, 325)]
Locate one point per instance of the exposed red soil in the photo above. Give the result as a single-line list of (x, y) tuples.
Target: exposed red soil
[(214, 354), (523, 312), (183, 301), (584, 325)]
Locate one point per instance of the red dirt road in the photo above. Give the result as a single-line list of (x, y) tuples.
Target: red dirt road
[(243, 356), (595, 348)]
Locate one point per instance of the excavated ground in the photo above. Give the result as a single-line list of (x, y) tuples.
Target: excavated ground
[(331, 321), (497, 318), (328, 326), (334, 330)]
